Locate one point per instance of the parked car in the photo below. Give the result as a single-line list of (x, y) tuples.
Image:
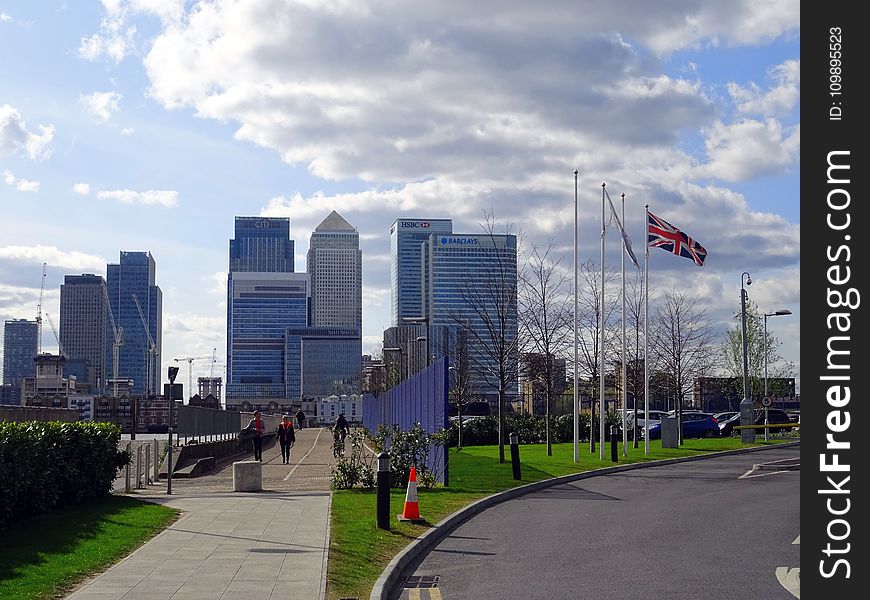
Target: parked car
[(724, 416), (794, 416), (654, 417), (695, 424), (774, 416)]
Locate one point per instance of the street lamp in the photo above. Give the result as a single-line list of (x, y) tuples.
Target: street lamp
[(173, 372), (747, 415), (421, 320), (779, 313)]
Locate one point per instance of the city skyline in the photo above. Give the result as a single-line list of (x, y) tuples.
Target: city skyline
[(690, 110)]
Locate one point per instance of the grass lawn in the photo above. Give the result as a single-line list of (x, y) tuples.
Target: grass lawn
[(47, 554), (359, 551)]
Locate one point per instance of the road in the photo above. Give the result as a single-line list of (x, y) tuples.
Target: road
[(685, 531)]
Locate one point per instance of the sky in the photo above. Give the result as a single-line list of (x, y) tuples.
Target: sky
[(150, 124)]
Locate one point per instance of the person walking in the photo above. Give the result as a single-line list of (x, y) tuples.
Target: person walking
[(257, 426), (300, 418), (287, 437)]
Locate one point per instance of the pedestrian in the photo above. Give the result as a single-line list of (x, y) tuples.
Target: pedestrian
[(257, 426), (300, 418), (287, 437)]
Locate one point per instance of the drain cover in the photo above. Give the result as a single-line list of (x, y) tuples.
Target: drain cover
[(422, 581)]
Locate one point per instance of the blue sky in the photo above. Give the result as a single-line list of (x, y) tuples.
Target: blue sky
[(171, 117)]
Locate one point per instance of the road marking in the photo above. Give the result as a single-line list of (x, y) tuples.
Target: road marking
[(314, 445), (797, 540), (414, 594), (790, 579)]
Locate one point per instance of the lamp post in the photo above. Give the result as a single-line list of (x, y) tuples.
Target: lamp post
[(747, 415), (779, 313), (173, 372)]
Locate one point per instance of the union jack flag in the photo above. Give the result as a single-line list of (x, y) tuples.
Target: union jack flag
[(661, 234)]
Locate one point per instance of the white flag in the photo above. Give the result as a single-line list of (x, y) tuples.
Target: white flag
[(626, 241)]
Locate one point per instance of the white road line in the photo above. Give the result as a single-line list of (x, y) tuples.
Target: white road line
[(797, 540), (314, 445), (790, 579)]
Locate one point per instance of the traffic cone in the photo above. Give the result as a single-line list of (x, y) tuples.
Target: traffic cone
[(412, 509)]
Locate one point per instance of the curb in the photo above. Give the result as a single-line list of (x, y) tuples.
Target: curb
[(322, 593), (420, 546)]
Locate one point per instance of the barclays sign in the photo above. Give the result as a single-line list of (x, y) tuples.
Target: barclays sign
[(464, 241)]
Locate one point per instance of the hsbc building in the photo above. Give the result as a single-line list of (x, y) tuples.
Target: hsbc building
[(406, 237)]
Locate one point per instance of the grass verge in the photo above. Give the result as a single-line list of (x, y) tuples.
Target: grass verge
[(359, 551), (42, 557)]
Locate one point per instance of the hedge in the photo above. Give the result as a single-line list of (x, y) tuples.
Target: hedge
[(42, 464), (481, 431)]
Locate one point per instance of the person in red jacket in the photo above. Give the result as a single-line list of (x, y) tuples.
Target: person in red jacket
[(287, 437), (257, 426)]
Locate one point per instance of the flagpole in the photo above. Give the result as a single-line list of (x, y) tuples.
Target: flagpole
[(624, 387), (576, 394), (646, 331), (602, 407)]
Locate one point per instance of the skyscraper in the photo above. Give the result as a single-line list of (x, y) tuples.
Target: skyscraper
[(406, 236), (134, 279), (335, 268), (322, 361), (264, 298), (19, 350), (84, 324), (471, 284)]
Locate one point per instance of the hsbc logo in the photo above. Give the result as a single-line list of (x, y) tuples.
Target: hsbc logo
[(414, 224)]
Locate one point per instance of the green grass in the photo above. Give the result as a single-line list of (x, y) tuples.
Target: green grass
[(359, 551), (43, 556)]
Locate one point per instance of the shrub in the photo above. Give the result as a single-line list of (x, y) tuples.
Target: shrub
[(408, 448), (44, 463), (356, 470), (531, 429)]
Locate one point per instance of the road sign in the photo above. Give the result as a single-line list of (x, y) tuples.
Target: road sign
[(766, 401)]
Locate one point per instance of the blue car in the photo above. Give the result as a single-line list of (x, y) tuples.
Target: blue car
[(695, 425)]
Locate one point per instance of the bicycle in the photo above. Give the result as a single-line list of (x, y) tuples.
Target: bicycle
[(338, 444)]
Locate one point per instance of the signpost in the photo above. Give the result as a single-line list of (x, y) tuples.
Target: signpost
[(766, 402)]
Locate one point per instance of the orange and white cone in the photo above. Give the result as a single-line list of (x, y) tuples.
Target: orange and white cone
[(412, 509)]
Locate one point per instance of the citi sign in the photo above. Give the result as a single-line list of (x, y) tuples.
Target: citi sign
[(263, 224), (414, 224), (448, 241)]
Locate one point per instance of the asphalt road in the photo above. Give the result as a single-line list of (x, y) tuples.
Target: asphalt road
[(693, 530)]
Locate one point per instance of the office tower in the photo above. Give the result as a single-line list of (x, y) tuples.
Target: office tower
[(335, 268), (322, 361), (471, 284), (406, 237), (130, 281), (262, 244), (264, 297), (210, 385), (19, 350), (261, 306), (84, 325)]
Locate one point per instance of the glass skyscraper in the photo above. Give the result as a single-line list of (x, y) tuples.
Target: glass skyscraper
[(84, 326), (19, 350), (261, 308), (335, 268), (262, 245), (471, 283), (406, 236), (322, 361), (134, 279)]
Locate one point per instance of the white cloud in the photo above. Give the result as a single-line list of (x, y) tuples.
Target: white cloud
[(82, 189), (67, 259), (749, 149), (117, 38), (9, 177), (150, 197), (26, 185), (15, 138), (101, 104), (128, 131), (778, 100), (5, 17)]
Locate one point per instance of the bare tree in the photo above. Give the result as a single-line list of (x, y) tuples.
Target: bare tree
[(682, 341), (464, 389), (491, 302), (589, 342), (545, 314)]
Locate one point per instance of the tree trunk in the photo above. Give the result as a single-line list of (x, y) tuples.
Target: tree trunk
[(549, 441), (501, 425)]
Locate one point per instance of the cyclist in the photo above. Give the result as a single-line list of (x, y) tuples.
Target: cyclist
[(339, 431)]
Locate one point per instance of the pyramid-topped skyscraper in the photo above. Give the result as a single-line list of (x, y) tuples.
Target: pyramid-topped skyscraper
[(335, 268)]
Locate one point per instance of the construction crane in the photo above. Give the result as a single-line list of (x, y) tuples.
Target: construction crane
[(213, 361), (56, 336), (152, 348), (190, 360), (39, 312), (117, 342)]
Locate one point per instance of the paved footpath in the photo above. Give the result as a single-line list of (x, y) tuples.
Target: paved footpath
[(235, 546)]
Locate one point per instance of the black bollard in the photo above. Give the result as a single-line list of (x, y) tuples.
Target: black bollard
[(614, 433), (383, 498), (515, 454)]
